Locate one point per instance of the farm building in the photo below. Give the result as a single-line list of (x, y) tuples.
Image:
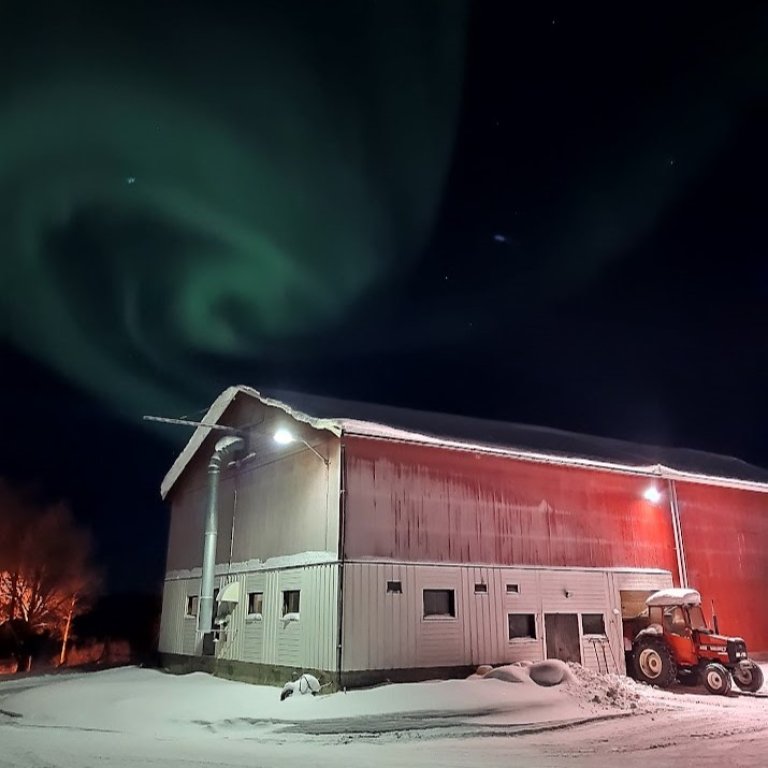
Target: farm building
[(369, 543)]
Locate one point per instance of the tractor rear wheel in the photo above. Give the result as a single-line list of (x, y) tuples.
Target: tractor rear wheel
[(717, 679), (653, 662), (748, 677)]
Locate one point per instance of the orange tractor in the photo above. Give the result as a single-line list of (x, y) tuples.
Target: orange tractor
[(670, 641)]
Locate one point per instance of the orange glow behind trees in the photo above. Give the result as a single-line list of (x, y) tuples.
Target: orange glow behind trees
[(46, 573)]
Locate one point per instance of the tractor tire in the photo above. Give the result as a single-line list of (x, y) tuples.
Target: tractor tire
[(748, 678), (653, 663), (717, 679)]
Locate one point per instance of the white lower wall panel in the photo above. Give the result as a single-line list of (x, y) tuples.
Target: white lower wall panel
[(310, 642), (171, 639), (384, 630)]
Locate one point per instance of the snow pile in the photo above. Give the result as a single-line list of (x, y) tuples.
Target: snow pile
[(550, 672), (508, 674), (609, 690), (133, 700), (544, 673), (305, 684)]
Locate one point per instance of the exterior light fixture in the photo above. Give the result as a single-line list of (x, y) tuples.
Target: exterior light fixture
[(652, 494), (283, 437)]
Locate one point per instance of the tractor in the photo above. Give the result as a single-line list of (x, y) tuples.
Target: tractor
[(670, 641)]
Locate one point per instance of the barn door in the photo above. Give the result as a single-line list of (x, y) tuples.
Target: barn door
[(562, 633)]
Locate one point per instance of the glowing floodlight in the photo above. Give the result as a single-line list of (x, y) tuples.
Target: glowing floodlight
[(652, 494), (283, 437)]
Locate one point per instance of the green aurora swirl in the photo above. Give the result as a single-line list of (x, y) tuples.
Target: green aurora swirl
[(177, 189)]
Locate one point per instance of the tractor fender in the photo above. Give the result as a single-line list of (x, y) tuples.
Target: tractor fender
[(654, 630)]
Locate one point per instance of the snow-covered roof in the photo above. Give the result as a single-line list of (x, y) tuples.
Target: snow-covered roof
[(541, 444), (676, 596)]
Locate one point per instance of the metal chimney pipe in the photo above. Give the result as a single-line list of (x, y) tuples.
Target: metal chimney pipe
[(224, 448)]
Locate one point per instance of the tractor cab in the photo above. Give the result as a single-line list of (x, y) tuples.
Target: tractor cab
[(672, 641)]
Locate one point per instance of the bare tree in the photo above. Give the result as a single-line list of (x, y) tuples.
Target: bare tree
[(46, 574)]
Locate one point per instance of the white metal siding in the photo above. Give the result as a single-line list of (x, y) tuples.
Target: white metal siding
[(191, 640), (177, 630), (319, 616), (579, 592), (232, 638), (309, 642), (382, 631), (171, 638), (253, 629), (439, 641), (388, 631), (289, 634), (526, 600)]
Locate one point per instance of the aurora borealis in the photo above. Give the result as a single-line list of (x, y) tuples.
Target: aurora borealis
[(182, 192), (543, 214)]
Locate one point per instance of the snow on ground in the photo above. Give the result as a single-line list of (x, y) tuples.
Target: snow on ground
[(127, 716), (142, 700)]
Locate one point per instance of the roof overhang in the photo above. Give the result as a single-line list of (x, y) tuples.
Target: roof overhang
[(373, 430), (659, 471)]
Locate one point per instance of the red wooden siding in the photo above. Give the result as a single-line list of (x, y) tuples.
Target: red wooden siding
[(418, 503), (725, 534)]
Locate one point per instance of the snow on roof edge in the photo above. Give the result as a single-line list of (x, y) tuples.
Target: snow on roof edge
[(216, 411), (385, 432)]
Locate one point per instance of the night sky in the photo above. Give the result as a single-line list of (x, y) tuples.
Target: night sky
[(530, 212)]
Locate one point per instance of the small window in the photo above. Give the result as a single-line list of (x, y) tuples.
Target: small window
[(291, 600), (439, 602), (592, 624), (192, 606), (513, 589), (522, 626), (255, 603), (481, 589), (394, 587), (674, 620)]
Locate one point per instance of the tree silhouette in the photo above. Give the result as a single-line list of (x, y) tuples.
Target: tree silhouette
[(46, 574)]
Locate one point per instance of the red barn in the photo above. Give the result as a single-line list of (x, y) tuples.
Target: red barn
[(368, 543)]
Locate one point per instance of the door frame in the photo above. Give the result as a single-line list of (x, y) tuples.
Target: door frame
[(577, 615)]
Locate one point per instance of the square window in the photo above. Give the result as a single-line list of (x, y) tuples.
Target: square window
[(522, 625), (592, 624), (439, 602), (394, 587), (192, 606), (481, 589), (255, 603), (513, 589), (291, 601)]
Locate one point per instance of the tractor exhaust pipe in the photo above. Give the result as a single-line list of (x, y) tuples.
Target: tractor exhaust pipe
[(224, 448)]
